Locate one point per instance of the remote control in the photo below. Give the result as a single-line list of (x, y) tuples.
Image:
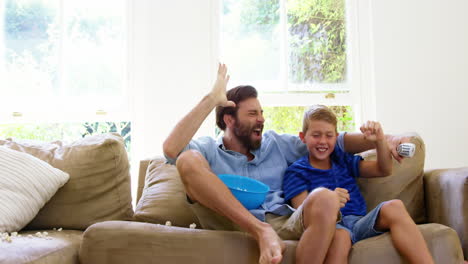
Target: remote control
[(406, 150)]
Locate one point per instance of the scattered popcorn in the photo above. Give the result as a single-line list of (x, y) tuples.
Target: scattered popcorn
[(9, 237), (60, 229), (168, 223), (55, 229), (193, 226), (5, 237)]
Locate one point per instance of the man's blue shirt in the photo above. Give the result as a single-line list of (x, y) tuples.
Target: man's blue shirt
[(270, 161), (301, 176)]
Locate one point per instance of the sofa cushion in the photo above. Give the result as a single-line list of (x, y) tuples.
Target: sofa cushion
[(57, 247), (442, 242), (26, 184), (164, 197), (405, 183), (131, 242), (99, 185)]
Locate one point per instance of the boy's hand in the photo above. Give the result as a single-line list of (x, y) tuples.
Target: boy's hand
[(372, 131), (218, 93), (343, 196)]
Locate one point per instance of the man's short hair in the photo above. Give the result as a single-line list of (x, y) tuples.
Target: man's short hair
[(237, 95), (318, 112)]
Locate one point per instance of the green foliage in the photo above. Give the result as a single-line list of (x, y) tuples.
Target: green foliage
[(34, 41), (289, 119), (260, 16), (122, 128), (318, 44), (284, 119), (67, 132), (41, 131), (317, 31), (27, 16)]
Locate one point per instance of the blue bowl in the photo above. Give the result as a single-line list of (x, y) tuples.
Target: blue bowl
[(250, 193)]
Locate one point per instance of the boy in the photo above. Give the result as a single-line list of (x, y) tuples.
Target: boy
[(328, 166)]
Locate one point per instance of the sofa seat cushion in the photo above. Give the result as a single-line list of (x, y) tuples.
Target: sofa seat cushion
[(442, 241), (132, 242), (120, 242), (61, 247)]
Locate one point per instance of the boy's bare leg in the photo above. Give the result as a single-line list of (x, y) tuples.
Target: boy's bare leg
[(406, 236), (320, 210), (339, 249), (203, 186)]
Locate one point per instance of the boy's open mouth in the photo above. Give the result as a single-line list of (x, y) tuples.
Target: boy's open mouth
[(321, 149)]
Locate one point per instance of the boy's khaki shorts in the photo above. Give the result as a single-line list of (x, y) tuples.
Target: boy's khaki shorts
[(288, 227)]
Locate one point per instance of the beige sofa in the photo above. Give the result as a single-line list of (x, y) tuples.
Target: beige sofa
[(98, 230), (98, 190)]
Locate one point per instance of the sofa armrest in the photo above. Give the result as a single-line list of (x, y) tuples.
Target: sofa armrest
[(446, 195)]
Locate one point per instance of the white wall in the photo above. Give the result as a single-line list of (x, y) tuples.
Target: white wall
[(420, 64), (421, 74), (171, 67)]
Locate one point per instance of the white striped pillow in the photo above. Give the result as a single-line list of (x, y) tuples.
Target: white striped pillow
[(26, 184)]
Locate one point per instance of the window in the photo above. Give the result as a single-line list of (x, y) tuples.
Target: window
[(63, 63), (295, 52)]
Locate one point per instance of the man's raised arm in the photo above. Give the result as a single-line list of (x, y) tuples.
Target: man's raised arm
[(183, 132), (357, 142)]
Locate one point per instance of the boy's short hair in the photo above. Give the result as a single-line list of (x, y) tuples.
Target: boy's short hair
[(318, 112), (237, 95)]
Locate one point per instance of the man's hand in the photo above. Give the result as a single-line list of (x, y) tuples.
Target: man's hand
[(343, 195), (393, 143), (218, 93), (372, 131)]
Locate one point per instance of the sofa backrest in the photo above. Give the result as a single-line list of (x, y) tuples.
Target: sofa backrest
[(99, 184), (405, 183), (161, 195)]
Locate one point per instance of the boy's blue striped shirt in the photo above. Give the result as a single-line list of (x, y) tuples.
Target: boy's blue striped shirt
[(301, 176)]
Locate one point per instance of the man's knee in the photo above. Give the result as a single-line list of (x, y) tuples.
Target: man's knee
[(188, 160), (322, 202), (188, 163)]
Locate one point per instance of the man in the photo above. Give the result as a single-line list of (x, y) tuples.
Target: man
[(244, 150)]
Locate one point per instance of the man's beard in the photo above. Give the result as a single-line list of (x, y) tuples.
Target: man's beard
[(243, 133)]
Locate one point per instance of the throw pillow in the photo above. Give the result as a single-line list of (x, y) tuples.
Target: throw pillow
[(164, 197), (26, 184), (99, 185)]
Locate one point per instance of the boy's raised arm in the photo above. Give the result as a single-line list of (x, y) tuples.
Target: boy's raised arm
[(373, 132), (357, 142), (183, 132)]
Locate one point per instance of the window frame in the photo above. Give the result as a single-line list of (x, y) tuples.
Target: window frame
[(358, 91)]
